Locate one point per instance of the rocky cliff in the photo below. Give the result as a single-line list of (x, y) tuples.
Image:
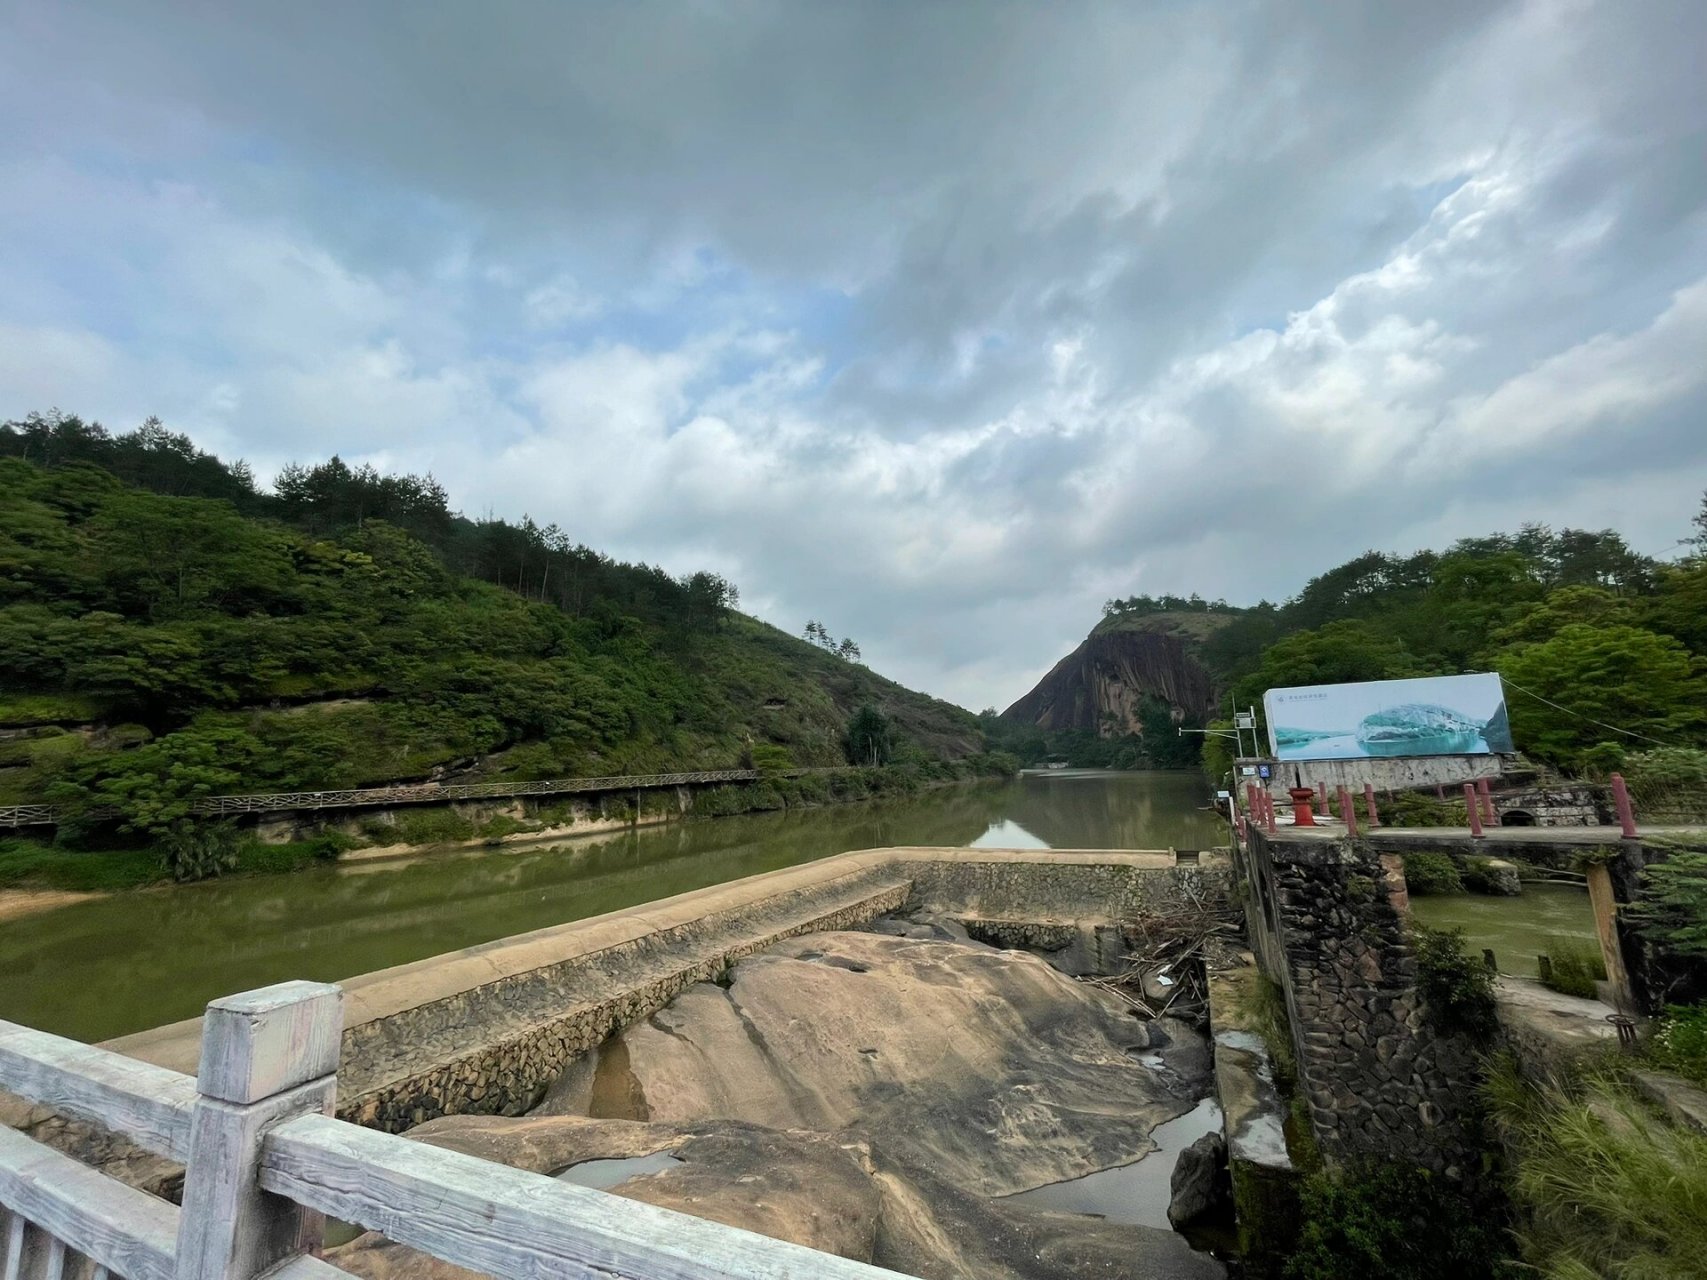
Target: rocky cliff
[(1101, 686)]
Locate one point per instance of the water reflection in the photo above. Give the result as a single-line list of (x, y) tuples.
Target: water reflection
[(1008, 834), (102, 968)]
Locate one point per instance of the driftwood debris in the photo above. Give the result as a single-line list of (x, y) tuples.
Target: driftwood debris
[(1168, 954)]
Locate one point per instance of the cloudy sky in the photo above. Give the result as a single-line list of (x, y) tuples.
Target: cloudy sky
[(938, 322)]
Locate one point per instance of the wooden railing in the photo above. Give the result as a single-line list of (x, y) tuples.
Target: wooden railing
[(26, 815), (265, 1161)]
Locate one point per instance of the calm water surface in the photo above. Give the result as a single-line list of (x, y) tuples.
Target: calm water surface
[(1517, 929), (132, 961)]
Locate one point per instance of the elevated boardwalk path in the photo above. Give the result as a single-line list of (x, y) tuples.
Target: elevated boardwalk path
[(27, 815)]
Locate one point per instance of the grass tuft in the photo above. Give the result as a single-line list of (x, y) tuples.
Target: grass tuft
[(1606, 1185)]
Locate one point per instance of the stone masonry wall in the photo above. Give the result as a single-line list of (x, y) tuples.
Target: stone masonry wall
[(1378, 1082), (1384, 773)]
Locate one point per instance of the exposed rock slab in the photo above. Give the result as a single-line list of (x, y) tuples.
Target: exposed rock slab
[(870, 1095), (1106, 680), (842, 1195), (986, 1068)]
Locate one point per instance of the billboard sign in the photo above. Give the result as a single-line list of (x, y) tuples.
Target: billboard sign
[(1430, 716)]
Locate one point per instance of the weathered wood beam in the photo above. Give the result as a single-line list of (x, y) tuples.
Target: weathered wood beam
[(266, 1055), (514, 1224), (148, 1104), (128, 1232)]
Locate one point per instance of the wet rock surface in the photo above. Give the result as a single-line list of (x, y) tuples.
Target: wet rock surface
[(1199, 1184), (870, 1095), (986, 1067)]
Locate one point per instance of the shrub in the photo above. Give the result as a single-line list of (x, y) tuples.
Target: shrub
[(1395, 1221), (1679, 1042), (1573, 968), (1427, 873), (432, 826), (1669, 780), (500, 825), (32, 864), (1416, 809), (198, 850), (768, 757), (255, 858), (1672, 911), (1479, 876), (1457, 989)]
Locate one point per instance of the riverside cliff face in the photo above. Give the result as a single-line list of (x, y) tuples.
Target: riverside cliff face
[(1101, 686)]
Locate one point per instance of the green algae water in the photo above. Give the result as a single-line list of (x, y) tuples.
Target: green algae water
[(1516, 929), (125, 963)]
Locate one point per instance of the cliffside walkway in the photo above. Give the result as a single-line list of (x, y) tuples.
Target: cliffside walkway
[(33, 815)]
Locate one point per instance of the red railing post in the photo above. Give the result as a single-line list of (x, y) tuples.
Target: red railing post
[(1472, 810), (1487, 798), (1349, 810), (1369, 804), (1268, 811), (1626, 811)]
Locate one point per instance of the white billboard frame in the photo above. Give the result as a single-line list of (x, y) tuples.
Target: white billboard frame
[(1382, 719)]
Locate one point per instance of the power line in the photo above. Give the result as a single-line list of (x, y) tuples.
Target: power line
[(1631, 733)]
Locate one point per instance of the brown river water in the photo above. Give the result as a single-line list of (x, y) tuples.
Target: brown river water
[(102, 968)]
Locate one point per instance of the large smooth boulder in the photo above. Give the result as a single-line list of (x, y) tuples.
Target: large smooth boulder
[(987, 1068), (831, 1193), (871, 1096)]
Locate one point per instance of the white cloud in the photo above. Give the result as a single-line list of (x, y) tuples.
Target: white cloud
[(936, 327)]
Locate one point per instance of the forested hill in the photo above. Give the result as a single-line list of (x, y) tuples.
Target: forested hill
[(167, 627), (1603, 650)]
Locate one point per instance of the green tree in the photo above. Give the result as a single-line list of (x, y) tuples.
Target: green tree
[(1588, 683), (154, 788), (1217, 752), (1338, 652), (870, 737), (1568, 606), (1679, 605)]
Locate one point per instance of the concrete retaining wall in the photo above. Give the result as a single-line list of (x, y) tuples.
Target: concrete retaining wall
[(1397, 773), (486, 1029)]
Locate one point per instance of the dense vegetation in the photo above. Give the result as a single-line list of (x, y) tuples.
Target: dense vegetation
[(1156, 746), (169, 629), (1603, 650)]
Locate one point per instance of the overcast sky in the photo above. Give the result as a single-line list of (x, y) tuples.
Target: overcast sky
[(938, 322)]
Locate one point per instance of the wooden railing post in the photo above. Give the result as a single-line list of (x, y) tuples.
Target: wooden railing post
[(267, 1055)]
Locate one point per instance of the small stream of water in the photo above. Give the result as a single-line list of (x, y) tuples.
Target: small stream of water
[(1135, 1194)]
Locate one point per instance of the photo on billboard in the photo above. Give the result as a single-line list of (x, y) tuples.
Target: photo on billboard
[(1429, 716)]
